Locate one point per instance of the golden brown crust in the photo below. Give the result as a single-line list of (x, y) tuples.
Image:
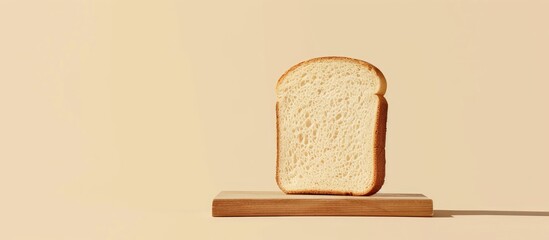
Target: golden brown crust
[(379, 146), (364, 63), (278, 151), (379, 135)]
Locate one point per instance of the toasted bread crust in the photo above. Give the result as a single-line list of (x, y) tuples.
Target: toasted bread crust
[(379, 136)]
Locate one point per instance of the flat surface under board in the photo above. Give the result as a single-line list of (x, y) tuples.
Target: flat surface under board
[(276, 203)]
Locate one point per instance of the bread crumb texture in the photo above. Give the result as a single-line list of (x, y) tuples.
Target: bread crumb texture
[(327, 112)]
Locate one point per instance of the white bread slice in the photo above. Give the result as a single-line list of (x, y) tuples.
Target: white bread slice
[(331, 123)]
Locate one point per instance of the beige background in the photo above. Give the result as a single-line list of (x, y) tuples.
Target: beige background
[(123, 119)]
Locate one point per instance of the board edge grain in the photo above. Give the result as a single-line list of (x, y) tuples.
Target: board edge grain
[(252, 204)]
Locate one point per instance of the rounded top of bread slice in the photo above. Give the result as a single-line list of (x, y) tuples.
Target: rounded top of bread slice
[(343, 65)]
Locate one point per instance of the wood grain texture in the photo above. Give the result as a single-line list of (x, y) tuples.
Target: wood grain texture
[(274, 203)]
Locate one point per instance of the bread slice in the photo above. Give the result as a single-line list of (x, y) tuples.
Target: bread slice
[(331, 121)]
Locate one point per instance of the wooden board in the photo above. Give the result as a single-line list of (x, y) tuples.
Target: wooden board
[(275, 203)]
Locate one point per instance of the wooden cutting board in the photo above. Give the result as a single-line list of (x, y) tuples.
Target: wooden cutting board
[(275, 203)]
